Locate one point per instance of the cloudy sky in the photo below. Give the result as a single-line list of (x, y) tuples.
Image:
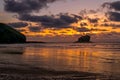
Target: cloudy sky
[(63, 20)]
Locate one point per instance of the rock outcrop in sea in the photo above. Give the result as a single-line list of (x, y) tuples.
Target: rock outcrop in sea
[(10, 35), (84, 39)]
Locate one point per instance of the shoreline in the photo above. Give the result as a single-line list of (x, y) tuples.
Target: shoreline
[(11, 73)]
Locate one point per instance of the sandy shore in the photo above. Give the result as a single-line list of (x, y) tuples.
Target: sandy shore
[(10, 73)]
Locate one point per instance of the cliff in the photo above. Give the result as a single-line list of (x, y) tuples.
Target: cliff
[(10, 35)]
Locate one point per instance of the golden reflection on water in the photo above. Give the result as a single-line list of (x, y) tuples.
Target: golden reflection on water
[(77, 59)]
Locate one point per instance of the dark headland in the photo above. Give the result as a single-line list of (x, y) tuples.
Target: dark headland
[(10, 35)]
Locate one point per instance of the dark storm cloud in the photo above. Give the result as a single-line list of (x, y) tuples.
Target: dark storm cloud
[(113, 16), (112, 5), (83, 29), (112, 25), (33, 18), (67, 18), (96, 29), (83, 24), (95, 20), (113, 13), (35, 29), (77, 16), (58, 21), (47, 21), (18, 24), (25, 6)]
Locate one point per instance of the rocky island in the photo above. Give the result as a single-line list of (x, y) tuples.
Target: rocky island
[(9, 35), (83, 39)]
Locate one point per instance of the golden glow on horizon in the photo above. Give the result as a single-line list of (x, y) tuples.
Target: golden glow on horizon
[(54, 32), (70, 31), (51, 32)]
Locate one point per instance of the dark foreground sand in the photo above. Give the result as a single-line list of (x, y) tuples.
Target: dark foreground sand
[(10, 73)]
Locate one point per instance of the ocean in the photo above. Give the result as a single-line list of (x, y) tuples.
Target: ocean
[(103, 58)]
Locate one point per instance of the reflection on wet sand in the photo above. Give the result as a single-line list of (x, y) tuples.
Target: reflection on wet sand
[(76, 59), (11, 50)]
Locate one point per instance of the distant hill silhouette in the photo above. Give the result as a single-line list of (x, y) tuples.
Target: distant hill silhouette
[(10, 35), (84, 39)]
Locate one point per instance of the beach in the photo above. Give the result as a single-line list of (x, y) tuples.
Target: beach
[(44, 74), (60, 61)]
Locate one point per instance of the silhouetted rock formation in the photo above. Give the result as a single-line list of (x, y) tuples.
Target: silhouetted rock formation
[(10, 35), (84, 39)]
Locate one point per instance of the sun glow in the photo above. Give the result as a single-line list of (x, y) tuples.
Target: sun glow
[(54, 32), (72, 30)]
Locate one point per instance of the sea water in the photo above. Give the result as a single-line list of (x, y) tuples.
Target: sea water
[(86, 57)]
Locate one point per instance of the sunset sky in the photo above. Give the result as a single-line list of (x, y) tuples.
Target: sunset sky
[(63, 20)]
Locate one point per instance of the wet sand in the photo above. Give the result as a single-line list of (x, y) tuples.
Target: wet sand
[(98, 62), (11, 73)]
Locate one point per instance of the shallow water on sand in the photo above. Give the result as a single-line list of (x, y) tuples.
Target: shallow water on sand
[(86, 57)]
